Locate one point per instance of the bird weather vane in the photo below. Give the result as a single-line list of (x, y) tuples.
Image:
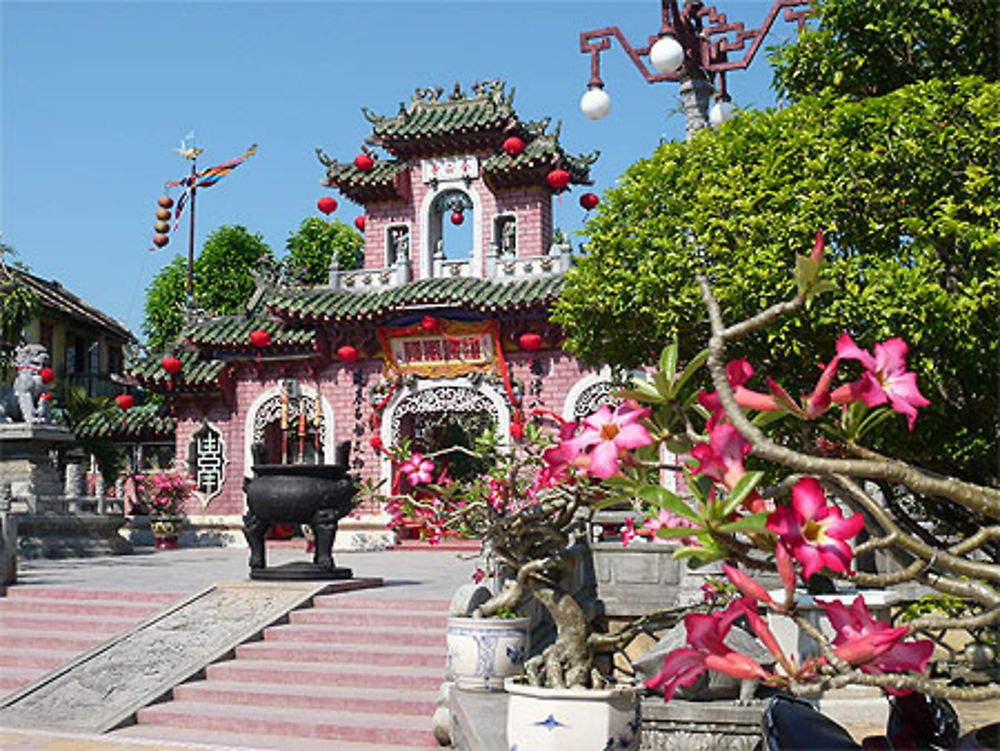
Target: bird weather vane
[(189, 185)]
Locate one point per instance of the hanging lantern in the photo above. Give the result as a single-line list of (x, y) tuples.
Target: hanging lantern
[(429, 323), (530, 341), (589, 200), (125, 401), (364, 162), (260, 338), (327, 204), (162, 228), (360, 222), (347, 353), (163, 214), (171, 364), (160, 240), (48, 375), (558, 179), (165, 202), (457, 217), (513, 146)]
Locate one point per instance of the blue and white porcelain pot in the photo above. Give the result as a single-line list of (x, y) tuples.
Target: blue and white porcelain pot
[(482, 652), (582, 719)]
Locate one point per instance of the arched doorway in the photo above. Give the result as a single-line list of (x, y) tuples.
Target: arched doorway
[(307, 433), (450, 225), (439, 415)]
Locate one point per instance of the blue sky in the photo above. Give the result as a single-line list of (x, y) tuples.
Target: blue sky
[(96, 97)]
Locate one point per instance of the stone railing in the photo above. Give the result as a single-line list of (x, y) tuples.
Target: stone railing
[(502, 268), (366, 280)]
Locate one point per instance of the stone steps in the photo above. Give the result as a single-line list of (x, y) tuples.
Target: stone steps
[(303, 684), (246, 741), (42, 628)]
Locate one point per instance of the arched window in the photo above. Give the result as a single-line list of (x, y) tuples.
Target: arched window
[(450, 226), (505, 235)]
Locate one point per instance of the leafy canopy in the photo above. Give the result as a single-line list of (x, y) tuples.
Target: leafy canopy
[(18, 305), (907, 187), (313, 245), (861, 48)]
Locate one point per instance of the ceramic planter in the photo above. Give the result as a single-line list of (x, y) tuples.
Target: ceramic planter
[(165, 530), (482, 652), (554, 719)]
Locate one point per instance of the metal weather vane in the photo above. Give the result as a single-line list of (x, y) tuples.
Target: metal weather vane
[(190, 184)]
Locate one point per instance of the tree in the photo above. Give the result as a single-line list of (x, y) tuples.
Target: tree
[(312, 246), (18, 304), (223, 282), (862, 48), (907, 187)]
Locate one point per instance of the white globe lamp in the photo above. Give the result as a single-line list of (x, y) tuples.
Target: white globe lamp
[(721, 112), (595, 103), (667, 55)]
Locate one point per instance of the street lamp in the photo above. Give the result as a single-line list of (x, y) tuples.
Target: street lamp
[(691, 47)]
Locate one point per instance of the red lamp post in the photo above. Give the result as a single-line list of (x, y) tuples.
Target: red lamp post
[(691, 47)]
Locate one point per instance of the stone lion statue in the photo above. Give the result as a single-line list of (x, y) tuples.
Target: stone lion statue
[(27, 400)]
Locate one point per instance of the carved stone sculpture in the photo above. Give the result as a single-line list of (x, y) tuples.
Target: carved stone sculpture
[(27, 400)]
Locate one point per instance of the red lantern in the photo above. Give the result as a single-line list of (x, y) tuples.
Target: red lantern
[(513, 146), (327, 204), (48, 375), (160, 240), (125, 401), (457, 217), (163, 214), (558, 179), (589, 201), (260, 338), (171, 364), (429, 323), (364, 162), (165, 202), (360, 222), (347, 353), (530, 341)]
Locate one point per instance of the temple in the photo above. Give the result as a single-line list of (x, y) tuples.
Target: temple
[(420, 344)]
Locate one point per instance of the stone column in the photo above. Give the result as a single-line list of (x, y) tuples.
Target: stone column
[(696, 94)]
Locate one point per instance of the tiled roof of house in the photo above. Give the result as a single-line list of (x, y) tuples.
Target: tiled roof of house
[(542, 153), (384, 182), (233, 332), (196, 373), (146, 422), (325, 305), (57, 300)]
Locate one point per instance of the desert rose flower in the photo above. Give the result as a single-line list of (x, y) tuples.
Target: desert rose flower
[(721, 458), (813, 530), (706, 635), (873, 645), (885, 378), (417, 469), (605, 437)]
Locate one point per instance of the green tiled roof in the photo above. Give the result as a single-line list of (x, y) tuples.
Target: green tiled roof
[(541, 154), (381, 183), (146, 422), (196, 373), (233, 332), (480, 295), (428, 117)]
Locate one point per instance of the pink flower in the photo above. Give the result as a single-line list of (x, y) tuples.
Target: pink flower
[(722, 457), (666, 520), (478, 575), (628, 532), (738, 372), (606, 436), (747, 585), (706, 634), (874, 645), (417, 469), (813, 530), (885, 378), (559, 456)]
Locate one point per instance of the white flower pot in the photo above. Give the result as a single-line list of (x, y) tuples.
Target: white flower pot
[(482, 652), (553, 719)]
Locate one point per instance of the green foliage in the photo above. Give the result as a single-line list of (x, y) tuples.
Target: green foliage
[(935, 604), (862, 48), (18, 305), (223, 282), (77, 408), (907, 187), (312, 246)]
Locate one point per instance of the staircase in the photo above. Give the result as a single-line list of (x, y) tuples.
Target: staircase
[(357, 671), (42, 628)]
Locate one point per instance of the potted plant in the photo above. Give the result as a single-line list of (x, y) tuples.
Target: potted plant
[(164, 495)]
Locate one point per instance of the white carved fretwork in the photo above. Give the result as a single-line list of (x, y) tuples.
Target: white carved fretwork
[(594, 397), (270, 411), (207, 462), (442, 399)]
